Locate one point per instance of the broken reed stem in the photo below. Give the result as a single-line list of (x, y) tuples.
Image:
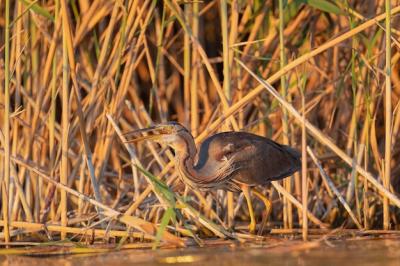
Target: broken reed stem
[(132, 154), (332, 186), (5, 181), (298, 204), (30, 227), (388, 116), (353, 130)]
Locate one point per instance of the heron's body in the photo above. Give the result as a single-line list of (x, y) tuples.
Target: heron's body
[(255, 160), (231, 161)]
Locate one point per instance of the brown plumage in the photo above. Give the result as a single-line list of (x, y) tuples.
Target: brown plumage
[(256, 160), (230, 160)]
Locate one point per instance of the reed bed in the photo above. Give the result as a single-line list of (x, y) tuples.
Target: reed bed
[(322, 76)]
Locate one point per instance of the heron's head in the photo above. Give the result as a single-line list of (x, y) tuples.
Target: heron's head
[(170, 133)]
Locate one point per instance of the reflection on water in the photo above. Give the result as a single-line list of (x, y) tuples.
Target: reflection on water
[(350, 252)]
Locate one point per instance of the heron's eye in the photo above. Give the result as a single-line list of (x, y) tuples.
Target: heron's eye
[(168, 129)]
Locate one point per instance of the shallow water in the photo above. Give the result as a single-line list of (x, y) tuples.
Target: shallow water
[(349, 252)]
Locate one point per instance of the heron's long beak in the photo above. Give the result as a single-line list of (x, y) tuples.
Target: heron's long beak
[(134, 132), (154, 133)]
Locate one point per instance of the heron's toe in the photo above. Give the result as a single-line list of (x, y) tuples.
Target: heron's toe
[(252, 228)]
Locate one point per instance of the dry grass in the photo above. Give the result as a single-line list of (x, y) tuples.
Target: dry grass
[(77, 74)]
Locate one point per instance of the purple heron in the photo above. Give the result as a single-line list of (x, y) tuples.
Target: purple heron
[(233, 161)]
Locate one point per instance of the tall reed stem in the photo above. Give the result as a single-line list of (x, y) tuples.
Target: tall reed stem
[(304, 177), (187, 69), (194, 101), (226, 86), (6, 126), (287, 206), (65, 117), (388, 116)]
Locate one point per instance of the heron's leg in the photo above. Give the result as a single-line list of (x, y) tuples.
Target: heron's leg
[(246, 193), (266, 201), (231, 217)]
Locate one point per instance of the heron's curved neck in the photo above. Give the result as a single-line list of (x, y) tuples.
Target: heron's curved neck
[(193, 175), (185, 153)]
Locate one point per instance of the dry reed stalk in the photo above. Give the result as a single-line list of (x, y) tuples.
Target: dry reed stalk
[(84, 232), (287, 207), (18, 50), (226, 87), (299, 205), (233, 29), (106, 44), (258, 21), (134, 160), (353, 129), (233, 35), (52, 119), (65, 117), (52, 48), (194, 88), (304, 174), (19, 189), (162, 84), (388, 115), (225, 51), (5, 180), (333, 187), (187, 68)]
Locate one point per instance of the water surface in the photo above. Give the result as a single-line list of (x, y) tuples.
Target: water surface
[(286, 252)]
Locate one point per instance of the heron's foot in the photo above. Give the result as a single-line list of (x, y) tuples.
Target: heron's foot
[(268, 209), (252, 227)]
